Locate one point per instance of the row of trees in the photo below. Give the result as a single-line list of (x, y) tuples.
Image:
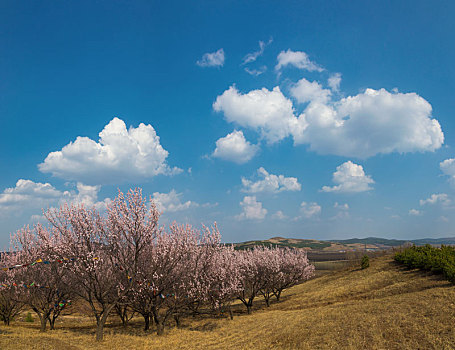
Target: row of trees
[(125, 262), (437, 260)]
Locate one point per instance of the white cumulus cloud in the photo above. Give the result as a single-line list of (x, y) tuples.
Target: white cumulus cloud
[(372, 122), (369, 123), (235, 148), (212, 59), (350, 178), (448, 168), (309, 210), (119, 155), (28, 195), (251, 209), (442, 198), (305, 91), (342, 211), (334, 81), (268, 112), (279, 215), (298, 59), (270, 183), (171, 202), (88, 195)]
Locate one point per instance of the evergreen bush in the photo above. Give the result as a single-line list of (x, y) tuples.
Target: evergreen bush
[(365, 262), (437, 260), (29, 317)]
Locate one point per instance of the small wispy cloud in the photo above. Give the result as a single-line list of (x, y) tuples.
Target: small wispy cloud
[(253, 56), (308, 210), (256, 72), (298, 59), (415, 212), (212, 59), (342, 211), (279, 215)]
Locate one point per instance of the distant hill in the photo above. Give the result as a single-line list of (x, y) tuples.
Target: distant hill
[(396, 242), (373, 240), (438, 241), (285, 242), (369, 243)]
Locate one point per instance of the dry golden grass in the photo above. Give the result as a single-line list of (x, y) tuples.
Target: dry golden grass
[(383, 307)]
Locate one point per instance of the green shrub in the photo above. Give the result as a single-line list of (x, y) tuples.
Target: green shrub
[(365, 262), (428, 258), (29, 317)]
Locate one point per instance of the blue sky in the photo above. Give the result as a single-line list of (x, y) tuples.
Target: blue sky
[(307, 119)]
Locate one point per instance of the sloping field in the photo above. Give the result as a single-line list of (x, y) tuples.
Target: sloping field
[(382, 307)]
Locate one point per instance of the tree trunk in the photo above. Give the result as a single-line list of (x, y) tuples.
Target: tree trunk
[(278, 294), (160, 328), (177, 320), (122, 312), (248, 303), (267, 301), (159, 322), (100, 325), (147, 322), (99, 331), (231, 315), (43, 321), (52, 323)]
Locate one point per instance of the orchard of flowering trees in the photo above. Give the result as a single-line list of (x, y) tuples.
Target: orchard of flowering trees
[(124, 263)]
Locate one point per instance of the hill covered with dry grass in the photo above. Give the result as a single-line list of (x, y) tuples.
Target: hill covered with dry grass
[(382, 307), (353, 244)]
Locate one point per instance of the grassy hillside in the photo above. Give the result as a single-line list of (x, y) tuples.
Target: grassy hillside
[(382, 307)]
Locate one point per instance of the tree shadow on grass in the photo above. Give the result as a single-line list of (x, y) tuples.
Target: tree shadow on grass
[(416, 272)]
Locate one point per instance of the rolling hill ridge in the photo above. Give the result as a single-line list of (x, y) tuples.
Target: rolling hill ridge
[(353, 244)]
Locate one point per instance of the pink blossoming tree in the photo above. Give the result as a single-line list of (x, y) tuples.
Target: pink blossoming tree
[(45, 286), (124, 261), (11, 300), (104, 253)]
